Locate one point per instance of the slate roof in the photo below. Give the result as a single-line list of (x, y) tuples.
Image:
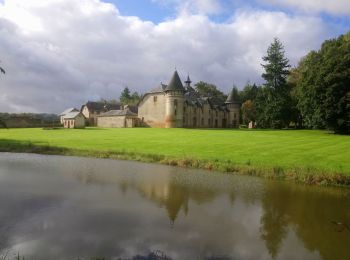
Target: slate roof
[(71, 115), (125, 112), (101, 106), (194, 98), (65, 112), (175, 83), (232, 98)]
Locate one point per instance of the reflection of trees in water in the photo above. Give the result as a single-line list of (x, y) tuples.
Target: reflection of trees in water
[(310, 211), (273, 221)]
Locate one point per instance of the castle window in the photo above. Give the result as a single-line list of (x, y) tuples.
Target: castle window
[(175, 112), (216, 112), (155, 99), (234, 115), (175, 102)]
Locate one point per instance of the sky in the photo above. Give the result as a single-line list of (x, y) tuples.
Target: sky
[(61, 53)]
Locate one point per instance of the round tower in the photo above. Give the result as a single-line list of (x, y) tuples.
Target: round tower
[(174, 102), (234, 107)]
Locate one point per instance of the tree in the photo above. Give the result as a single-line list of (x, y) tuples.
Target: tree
[(275, 102), (276, 66), (292, 81), (248, 112), (135, 97), (129, 99), (324, 85), (249, 92), (125, 95), (209, 90)]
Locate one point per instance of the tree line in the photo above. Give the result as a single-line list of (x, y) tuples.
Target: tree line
[(314, 95)]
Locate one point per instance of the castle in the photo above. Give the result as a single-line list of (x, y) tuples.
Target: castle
[(166, 106), (175, 105)]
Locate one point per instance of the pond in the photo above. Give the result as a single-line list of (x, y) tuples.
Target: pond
[(55, 207)]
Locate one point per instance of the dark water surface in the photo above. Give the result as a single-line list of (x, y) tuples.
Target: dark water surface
[(54, 207)]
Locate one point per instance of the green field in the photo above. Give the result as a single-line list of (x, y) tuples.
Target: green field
[(318, 152)]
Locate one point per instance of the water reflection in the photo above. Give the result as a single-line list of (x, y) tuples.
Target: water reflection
[(55, 207)]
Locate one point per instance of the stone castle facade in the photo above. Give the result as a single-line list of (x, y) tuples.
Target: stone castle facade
[(175, 105)]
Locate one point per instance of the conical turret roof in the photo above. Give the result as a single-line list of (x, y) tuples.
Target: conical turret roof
[(232, 97), (175, 83), (188, 81)]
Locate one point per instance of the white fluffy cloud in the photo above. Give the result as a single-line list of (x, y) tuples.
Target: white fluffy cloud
[(194, 6), (61, 53), (336, 7)]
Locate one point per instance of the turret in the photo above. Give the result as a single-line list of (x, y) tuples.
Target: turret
[(174, 102), (233, 105), (188, 82), (188, 85)]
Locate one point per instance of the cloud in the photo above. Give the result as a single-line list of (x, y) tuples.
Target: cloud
[(335, 7), (194, 6), (61, 53)]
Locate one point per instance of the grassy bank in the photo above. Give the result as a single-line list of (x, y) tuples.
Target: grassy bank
[(314, 157)]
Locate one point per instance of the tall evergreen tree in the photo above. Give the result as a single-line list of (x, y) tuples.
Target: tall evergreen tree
[(274, 106), (125, 95), (126, 98), (276, 66)]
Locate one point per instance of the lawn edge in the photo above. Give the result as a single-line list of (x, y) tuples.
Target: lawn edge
[(309, 176)]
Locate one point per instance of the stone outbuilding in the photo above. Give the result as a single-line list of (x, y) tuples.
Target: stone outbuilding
[(65, 112), (118, 119), (91, 110), (74, 120)]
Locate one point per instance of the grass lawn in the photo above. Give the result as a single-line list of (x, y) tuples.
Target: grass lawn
[(313, 150)]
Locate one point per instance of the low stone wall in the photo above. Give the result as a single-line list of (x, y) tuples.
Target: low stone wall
[(111, 121)]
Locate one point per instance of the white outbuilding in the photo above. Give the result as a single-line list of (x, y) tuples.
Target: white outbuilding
[(74, 120), (65, 112)]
